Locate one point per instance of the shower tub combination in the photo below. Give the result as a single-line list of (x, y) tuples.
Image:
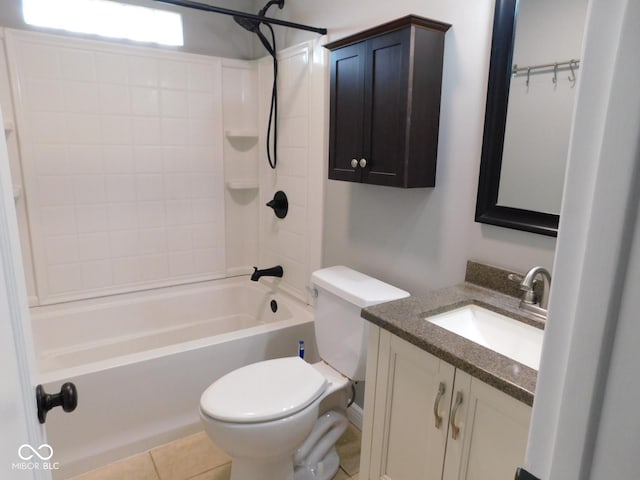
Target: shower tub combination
[(140, 361)]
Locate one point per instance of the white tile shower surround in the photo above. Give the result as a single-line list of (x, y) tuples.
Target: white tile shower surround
[(113, 193), (122, 157), (291, 242), (11, 137), (239, 107)]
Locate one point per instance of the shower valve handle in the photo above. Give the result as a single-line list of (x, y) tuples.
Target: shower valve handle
[(280, 204), (67, 399)]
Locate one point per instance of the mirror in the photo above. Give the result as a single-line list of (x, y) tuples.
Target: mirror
[(530, 96)]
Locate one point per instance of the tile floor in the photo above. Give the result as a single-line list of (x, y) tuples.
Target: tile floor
[(197, 458)]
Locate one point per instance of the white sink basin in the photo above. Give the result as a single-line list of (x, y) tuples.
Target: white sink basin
[(509, 337)]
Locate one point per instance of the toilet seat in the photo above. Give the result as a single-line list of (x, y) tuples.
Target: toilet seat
[(263, 391)]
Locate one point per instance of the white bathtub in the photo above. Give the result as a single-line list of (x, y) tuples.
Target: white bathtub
[(141, 361)]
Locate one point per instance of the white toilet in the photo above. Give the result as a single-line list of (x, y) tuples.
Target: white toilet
[(268, 416)]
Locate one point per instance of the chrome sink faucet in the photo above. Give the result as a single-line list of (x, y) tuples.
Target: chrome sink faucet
[(530, 301)]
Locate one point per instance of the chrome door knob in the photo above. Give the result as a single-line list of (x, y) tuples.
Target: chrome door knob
[(363, 163), (354, 163)]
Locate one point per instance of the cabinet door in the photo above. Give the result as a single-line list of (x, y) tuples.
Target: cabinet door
[(492, 439), (346, 112), (386, 108), (406, 443)]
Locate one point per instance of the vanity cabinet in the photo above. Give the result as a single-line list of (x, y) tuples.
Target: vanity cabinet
[(425, 419), (385, 103)]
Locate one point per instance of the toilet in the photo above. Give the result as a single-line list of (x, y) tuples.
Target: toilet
[(279, 419)]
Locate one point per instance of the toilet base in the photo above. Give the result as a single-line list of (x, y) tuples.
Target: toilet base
[(324, 470)]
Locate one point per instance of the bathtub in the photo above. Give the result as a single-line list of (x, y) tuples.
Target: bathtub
[(140, 361)]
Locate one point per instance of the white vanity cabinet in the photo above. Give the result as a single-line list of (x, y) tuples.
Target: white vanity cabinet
[(426, 420)]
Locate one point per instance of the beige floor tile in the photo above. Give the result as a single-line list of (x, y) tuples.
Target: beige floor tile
[(341, 475), (348, 447), (139, 467), (188, 457), (356, 477), (220, 473)]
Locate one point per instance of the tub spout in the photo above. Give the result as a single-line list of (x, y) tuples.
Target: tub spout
[(276, 271)]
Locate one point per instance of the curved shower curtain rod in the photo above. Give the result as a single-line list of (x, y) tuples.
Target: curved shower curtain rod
[(235, 13)]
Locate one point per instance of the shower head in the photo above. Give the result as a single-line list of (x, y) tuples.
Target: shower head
[(253, 25), (247, 23)]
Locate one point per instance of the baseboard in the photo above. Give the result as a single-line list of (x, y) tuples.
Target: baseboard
[(355, 414)]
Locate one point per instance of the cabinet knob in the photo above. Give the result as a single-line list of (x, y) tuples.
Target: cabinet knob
[(363, 163), (354, 163)]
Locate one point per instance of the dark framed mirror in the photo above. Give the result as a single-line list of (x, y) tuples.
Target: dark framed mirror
[(499, 207)]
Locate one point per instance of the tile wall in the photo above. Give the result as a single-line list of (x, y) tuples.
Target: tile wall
[(11, 136), (143, 168), (239, 105), (122, 156), (294, 242)]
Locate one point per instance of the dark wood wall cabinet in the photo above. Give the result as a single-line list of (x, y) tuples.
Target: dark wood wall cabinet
[(385, 103)]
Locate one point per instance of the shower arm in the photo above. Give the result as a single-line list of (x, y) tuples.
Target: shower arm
[(235, 13)]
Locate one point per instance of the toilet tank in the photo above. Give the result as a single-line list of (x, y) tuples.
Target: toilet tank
[(341, 333)]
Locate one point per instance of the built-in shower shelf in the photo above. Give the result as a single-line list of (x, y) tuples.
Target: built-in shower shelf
[(242, 184), (241, 134)]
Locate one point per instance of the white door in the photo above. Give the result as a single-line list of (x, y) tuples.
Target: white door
[(576, 432), (23, 450)]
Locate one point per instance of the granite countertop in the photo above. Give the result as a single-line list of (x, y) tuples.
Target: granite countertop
[(405, 318)]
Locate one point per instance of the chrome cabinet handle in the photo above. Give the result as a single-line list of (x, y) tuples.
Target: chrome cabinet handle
[(436, 405), (455, 429), (363, 163), (354, 163)]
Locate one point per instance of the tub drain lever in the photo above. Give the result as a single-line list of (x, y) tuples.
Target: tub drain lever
[(67, 399)]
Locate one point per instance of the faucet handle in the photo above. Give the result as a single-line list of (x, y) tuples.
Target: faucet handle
[(515, 277)]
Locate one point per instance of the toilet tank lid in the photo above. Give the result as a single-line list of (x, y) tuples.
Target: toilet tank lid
[(355, 287)]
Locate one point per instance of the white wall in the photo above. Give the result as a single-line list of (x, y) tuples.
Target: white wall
[(421, 239), (540, 113)]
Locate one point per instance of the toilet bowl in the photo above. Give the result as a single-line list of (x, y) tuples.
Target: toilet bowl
[(279, 419), (262, 413)]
